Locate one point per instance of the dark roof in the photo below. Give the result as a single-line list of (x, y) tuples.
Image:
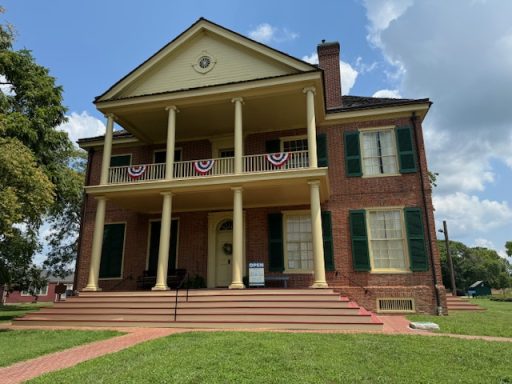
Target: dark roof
[(116, 135), (192, 26), (351, 103)]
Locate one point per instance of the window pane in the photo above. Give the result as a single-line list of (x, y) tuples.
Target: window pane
[(379, 155), (299, 245), (387, 242)]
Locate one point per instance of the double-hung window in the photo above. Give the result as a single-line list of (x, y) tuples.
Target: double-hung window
[(296, 144), (298, 242), (387, 240), (379, 153)]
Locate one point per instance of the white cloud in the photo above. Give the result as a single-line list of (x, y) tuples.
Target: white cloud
[(347, 73), (6, 89), (381, 14), (468, 214), (266, 33), (82, 125), (391, 93), (363, 68)]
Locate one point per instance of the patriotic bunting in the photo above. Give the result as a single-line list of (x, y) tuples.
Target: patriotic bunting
[(136, 171), (278, 159), (203, 166)]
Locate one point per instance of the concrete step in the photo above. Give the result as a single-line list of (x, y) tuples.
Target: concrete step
[(207, 304), (207, 317), (373, 326), (200, 309), (206, 292), (211, 297)]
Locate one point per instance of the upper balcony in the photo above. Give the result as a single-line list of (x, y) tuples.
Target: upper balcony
[(206, 168)]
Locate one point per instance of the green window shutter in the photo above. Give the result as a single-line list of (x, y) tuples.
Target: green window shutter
[(352, 154), (120, 160), (273, 146), (406, 155), (112, 250), (275, 242), (328, 244), (321, 150), (416, 239), (360, 254)]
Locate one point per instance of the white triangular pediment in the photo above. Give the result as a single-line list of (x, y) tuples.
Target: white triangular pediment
[(230, 58)]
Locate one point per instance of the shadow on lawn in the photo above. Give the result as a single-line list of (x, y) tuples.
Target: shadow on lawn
[(9, 312)]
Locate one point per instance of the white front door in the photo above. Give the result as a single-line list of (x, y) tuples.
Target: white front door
[(224, 253)]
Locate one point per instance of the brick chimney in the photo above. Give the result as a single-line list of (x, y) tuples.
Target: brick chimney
[(329, 61)]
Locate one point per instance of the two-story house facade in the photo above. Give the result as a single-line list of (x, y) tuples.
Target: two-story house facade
[(232, 152)]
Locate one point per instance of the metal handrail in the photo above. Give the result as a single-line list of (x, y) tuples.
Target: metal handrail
[(178, 286)]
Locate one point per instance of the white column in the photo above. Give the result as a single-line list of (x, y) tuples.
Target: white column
[(311, 125), (107, 150), (238, 245), (165, 241), (316, 229), (97, 244), (171, 137), (239, 146)]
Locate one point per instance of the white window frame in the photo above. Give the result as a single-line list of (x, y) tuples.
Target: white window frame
[(286, 215), (405, 246), (391, 128), (39, 293), (291, 138)]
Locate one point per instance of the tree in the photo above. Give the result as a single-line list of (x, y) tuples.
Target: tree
[(37, 180), (472, 264), (508, 248)]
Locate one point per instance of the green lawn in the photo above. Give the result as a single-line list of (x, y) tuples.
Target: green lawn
[(26, 344), (236, 357), (495, 321), (9, 312)]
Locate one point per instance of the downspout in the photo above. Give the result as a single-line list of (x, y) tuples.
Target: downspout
[(425, 207), (87, 180)]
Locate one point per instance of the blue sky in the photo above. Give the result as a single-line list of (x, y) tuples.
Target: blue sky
[(458, 53)]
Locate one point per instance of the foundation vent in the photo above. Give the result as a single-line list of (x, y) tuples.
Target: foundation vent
[(394, 305)]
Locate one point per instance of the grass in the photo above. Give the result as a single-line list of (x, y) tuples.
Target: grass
[(236, 357), (9, 312), (495, 321), (26, 344)]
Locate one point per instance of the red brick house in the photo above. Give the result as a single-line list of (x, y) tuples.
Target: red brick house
[(45, 294), (233, 152)]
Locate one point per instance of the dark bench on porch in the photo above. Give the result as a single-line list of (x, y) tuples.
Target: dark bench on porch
[(174, 279), (284, 279)]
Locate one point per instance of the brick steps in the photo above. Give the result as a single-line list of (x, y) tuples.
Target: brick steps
[(456, 303), (262, 308)]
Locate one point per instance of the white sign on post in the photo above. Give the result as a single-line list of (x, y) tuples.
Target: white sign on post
[(256, 275)]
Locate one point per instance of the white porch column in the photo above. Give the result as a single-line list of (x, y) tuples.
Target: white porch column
[(311, 125), (107, 150), (171, 135), (316, 229), (165, 241), (239, 145), (97, 244), (238, 245)]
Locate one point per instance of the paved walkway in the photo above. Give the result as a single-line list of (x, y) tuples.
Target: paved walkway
[(25, 370)]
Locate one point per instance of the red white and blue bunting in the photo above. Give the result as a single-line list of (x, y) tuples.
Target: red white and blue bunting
[(203, 166), (136, 171), (278, 159)]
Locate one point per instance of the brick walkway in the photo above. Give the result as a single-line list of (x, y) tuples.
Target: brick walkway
[(29, 369), (25, 370)]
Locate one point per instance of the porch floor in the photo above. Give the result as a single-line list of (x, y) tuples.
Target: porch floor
[(209, 308)]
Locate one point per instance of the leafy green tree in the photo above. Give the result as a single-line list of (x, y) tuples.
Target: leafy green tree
[(37, 177), (508, 248), (472, 264)]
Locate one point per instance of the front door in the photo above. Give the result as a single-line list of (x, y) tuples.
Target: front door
[(224, 253), (154, 244)]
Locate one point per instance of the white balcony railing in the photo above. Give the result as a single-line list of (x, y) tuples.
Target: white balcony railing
[(211, 167)]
